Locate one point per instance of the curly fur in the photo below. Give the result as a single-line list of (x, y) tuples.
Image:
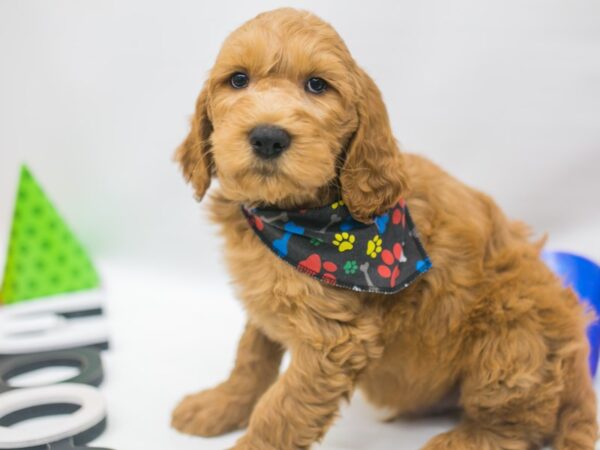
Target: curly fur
[(489, 329)]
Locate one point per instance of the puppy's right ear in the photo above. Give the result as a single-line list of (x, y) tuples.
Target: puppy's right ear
[(194, 153)]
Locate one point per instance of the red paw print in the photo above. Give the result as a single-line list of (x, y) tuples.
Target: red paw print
[(313, 265), (389, 259), (398, 216)]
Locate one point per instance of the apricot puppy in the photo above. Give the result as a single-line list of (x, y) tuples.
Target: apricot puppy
[(287, 120)]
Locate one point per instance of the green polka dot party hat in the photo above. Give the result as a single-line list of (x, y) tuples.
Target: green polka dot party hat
[(44, 257)]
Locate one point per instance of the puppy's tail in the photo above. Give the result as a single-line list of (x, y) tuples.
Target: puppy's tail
[(577, 427)]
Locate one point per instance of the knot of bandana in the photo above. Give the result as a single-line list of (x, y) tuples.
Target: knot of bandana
[(329, 245)]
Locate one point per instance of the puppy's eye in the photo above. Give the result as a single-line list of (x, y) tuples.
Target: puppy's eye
[(316, 85), (239, 80)]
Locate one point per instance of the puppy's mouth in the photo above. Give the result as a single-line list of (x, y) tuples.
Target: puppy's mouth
[(266, 168)]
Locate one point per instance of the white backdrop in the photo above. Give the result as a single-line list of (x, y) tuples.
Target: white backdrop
[(95, 96)]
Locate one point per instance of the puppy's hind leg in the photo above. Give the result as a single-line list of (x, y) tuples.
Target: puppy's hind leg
[(525, 425), (511, 387), (577, 422), (228, 406)]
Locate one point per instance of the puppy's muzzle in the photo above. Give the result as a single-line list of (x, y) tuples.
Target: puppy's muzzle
[(269, 141)]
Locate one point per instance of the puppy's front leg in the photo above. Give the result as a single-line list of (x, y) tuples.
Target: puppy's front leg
[(297, 410), (228, 406)]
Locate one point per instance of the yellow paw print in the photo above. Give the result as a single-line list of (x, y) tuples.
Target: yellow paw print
[(337, 204), (344, 241), (374, 246)]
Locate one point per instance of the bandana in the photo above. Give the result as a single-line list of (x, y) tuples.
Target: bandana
[(329, 245)]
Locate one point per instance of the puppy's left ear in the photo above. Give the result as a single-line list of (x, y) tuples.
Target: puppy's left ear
[(372, 178), (193, 154)]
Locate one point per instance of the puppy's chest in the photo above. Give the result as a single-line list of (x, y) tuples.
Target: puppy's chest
[(272, 290), (257, 270)]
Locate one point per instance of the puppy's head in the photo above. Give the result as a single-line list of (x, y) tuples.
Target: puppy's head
[(287, 118)]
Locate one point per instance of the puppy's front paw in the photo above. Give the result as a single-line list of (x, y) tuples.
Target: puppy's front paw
[(472, 438), (248, 442), (212, 412), (454, 440)]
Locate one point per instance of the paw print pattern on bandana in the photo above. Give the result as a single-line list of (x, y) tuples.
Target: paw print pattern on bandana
[(374, 246), (313, 266), (350, 267), (316, 242), (344, 241), (398, 216), (328, 244), (389, 268)]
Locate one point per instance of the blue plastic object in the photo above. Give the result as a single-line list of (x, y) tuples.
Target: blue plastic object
[(583, 276)]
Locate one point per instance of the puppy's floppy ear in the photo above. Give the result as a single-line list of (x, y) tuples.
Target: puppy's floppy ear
[(372, 178), (194, 153)]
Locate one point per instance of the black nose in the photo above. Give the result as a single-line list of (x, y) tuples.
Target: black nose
[(269, 141)]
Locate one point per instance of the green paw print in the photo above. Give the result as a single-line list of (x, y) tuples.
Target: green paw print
[(316, 242), (337, 204), (374, 246), (344, 241), (350, 267)]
